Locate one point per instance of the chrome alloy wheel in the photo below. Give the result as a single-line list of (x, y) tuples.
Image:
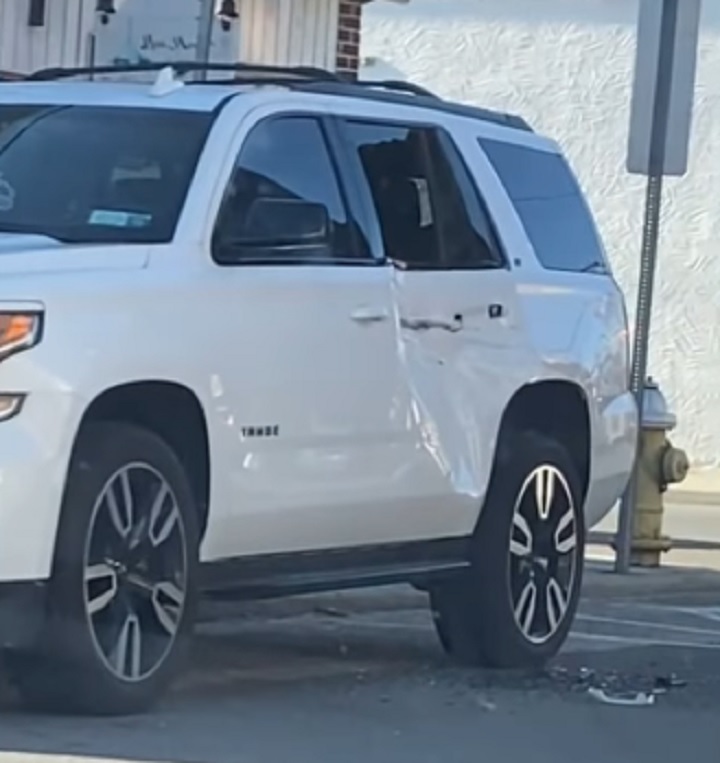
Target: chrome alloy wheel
[(543, 553), (136, 572)]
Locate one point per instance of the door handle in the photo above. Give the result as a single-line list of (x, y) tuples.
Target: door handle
[(496, 311), (368, 314), (426, 324)]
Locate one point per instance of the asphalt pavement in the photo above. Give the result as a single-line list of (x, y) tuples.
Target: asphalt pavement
[(359, 677)]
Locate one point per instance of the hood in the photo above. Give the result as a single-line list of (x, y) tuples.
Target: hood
[(29, 253)]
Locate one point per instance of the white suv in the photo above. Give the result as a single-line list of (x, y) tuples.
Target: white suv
[(288, 334)]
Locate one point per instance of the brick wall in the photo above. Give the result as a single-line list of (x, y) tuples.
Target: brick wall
[(348, 48)]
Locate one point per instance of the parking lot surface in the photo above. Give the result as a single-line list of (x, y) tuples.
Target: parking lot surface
[(318, 681)]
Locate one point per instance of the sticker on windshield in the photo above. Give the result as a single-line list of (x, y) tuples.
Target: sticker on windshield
[(7, 196), (119, 219)]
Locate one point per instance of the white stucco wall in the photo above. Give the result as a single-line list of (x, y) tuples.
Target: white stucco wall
[(566, 65)]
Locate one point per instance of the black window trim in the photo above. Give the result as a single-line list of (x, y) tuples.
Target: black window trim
[(356, 170), (296, 260), (465, 178), (351, 170), (445, 138)]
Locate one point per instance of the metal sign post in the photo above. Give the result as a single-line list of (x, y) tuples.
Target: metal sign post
[(661, 119), (206, 22)]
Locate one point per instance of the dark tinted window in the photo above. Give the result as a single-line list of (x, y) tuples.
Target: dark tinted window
[(288, 158), (87, 174), (550, 204), (467, 234), (428, 210)]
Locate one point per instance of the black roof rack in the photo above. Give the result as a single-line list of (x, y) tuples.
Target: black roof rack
[(255, 71), (396, 85), (301, 78), (426, 101), (6, 76)]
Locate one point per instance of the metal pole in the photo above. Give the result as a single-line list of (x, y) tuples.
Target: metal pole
[(206, 22), (641, 344), (648, 261)]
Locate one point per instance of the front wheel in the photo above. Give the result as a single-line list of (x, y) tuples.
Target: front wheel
[(122, 594), (515, 606)]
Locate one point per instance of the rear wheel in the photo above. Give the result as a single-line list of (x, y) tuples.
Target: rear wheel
[(122, 594), (515, 605)]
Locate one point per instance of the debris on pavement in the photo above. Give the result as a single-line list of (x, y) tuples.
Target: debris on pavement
[(485, 704), (574, 680), (615, 687), (586, 674), (331, 612), (665, 683), (634, 699)]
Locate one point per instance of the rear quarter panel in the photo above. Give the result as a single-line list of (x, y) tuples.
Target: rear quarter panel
[(575, 326)]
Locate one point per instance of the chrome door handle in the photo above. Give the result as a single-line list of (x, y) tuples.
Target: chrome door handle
[(425, 324), (370, 314)]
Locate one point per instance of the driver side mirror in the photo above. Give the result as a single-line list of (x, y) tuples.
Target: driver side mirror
[(273, 226)]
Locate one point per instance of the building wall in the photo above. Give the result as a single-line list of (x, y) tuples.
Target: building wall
[(348, 45), (566, 65), (290, 32), (269, 31), (61, 41)]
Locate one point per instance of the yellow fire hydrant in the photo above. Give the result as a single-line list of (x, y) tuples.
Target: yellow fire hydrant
[(659, 464)]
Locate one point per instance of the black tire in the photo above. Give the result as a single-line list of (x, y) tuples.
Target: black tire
[(475, 614), (70, 672)]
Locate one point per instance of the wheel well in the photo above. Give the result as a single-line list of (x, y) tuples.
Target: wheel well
[(173, 413), (559, 410)]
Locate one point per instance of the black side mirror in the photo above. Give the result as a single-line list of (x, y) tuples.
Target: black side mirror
[(271, 224)]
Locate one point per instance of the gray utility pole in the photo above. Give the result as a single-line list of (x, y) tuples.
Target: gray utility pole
[(661, 120), (206, 23)]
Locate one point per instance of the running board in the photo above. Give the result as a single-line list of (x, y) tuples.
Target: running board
[(278, 575)]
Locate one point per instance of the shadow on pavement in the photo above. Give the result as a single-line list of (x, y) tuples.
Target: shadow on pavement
[(309, 682)]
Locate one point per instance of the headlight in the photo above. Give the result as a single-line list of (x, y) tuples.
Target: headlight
[(18, 332), (10, 406)]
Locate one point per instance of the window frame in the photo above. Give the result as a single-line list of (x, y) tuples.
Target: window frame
[(458, 167), (349, 204), (465, 177), (355, 166)]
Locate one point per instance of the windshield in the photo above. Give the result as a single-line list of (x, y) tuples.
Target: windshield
[(97, 174)]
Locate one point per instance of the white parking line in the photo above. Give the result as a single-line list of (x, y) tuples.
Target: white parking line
[(649, 624), (639, 641), (658, 627), (663, 634), (705, 613)]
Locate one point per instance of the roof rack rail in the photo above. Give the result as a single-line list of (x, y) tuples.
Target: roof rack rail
[(403, 97), (6, 76), (399, 86), (302, 78), (256, 71)]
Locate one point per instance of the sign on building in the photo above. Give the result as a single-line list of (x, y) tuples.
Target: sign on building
[(148, 31)]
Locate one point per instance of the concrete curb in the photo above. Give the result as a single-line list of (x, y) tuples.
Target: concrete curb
[(602, 582), (694, 498), (600, 538)]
